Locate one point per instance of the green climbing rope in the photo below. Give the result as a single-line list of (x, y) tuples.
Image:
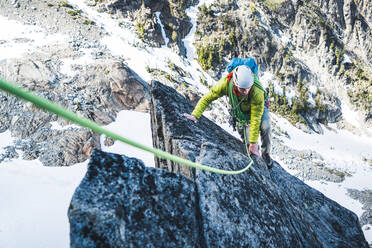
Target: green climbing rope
[(84, 122)]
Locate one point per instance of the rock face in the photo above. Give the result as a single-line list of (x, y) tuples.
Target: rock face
[(171, 134), (120, 203), (143, 13)]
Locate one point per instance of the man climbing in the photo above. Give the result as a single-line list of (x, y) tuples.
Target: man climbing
[(248, 108)]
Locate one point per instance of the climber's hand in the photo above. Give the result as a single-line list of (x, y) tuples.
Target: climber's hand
[(190, 117), (253, 148)]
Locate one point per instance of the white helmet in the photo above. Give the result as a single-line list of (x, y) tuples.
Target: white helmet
[(243, 77)]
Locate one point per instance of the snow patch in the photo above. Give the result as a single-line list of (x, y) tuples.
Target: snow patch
[(268, 77), (19, 39), (285, 39), (135, 126), (335, 145), (34, 205), (313, 89), (84, 60), (347, 59), (349, 115), (166, 40), (188, 41), (367, 230), (57, 126), (6, 139)]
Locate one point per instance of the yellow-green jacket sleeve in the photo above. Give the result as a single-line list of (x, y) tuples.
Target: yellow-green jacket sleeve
[(218, 90), (257, 109)]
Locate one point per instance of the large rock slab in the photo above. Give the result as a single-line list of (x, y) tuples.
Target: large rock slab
[(122, 203)]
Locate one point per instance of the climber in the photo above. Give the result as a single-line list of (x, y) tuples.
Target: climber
[(247, 107)]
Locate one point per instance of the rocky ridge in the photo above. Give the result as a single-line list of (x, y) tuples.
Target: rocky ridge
[(122, 203)]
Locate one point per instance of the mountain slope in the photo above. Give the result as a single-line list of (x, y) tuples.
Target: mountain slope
[(83, 44)]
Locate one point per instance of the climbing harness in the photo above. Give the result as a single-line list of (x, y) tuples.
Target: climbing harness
[(84, 122)]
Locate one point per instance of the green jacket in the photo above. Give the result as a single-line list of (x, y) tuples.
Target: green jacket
[(252, 105)]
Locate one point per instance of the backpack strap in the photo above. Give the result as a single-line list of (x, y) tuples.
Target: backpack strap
[(235, 90), (229, 76)]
